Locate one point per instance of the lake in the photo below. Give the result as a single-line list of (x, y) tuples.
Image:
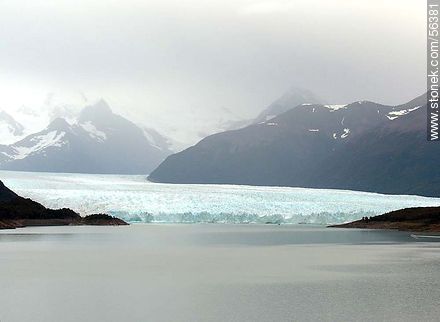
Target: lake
[(216, 272)]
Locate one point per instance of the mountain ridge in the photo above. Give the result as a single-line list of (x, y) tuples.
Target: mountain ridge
[(318, 146)]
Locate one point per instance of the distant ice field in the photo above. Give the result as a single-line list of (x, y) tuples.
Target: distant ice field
[(135, 199)]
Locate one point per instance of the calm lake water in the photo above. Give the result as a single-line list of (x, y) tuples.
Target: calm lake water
[(207, 272)]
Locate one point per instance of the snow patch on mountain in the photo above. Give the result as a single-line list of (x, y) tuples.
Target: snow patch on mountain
[(93, 131), (345, 134), (335, 107), (269, 117), (396, 114), (151, 139), (41, 142)]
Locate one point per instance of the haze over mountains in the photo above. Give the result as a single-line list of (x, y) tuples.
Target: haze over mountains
[(10, 129), (99, 141), (95, 140), (360, 146), (292, 98)]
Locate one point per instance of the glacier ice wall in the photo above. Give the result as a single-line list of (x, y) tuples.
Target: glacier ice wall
[(137, 200)]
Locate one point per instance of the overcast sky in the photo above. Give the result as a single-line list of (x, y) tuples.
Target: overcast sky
[(185, 65)]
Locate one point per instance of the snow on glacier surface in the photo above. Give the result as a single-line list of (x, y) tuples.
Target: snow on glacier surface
[(135, 199)]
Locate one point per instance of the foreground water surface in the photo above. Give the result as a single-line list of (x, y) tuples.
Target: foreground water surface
[(212, 272), (135, 199)]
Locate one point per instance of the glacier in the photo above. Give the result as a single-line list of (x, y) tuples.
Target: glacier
[(135, 199)]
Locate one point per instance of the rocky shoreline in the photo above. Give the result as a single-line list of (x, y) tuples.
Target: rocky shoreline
[(18, 212), (91, 220), (422, 219)]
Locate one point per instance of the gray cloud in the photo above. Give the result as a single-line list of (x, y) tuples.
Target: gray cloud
[(180, 64)]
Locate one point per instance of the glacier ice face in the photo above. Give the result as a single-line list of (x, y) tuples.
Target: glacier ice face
[(135, 199)]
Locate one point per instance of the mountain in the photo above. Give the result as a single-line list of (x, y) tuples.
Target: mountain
[(360, 146), (10, 129), (6, 195), (294, 97), (99, 142), (16, 211)]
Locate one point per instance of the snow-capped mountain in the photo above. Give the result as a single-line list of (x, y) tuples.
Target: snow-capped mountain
[(10, 129), (360, 146), (98, 142)]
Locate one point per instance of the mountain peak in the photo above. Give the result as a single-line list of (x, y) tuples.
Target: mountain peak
[(102, 105), (294, 97), (6, 117), (59, 124), (14, 127), (297, 92), (96, 111)]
